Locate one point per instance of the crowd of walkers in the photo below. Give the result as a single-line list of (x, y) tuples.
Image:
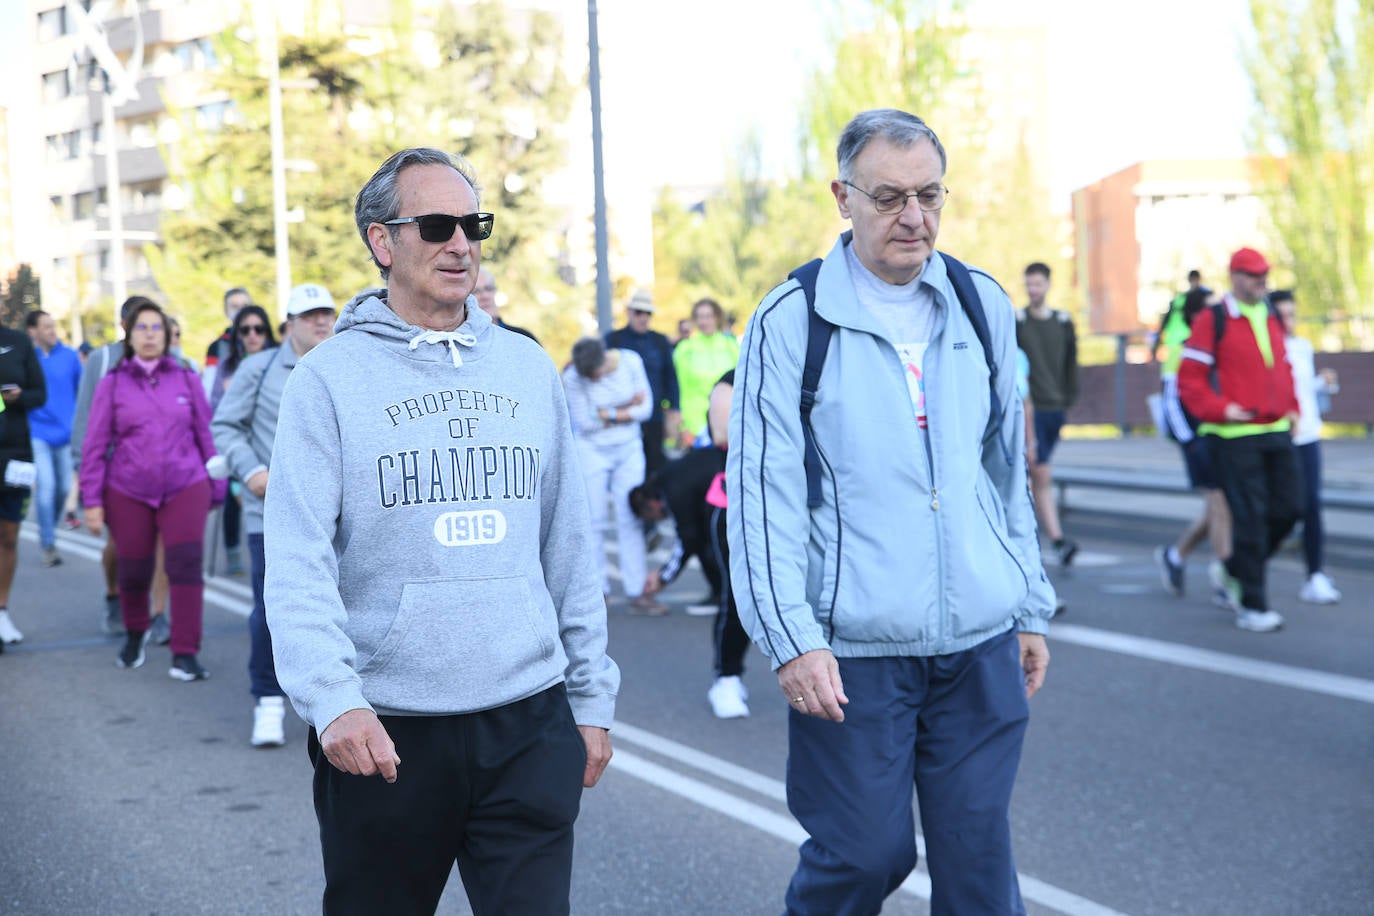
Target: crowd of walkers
[(137, 427)]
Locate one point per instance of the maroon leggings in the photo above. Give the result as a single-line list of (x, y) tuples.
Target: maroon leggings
[(135, 527)]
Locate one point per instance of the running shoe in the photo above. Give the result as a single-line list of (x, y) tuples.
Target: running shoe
[(1170, 573), (1258, 621), (9, 633), (727, 697), (1319, 589), (187, 668), (161, 630), (133, 655)]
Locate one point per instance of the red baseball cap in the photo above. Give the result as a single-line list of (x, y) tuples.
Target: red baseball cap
[(1249, 261)]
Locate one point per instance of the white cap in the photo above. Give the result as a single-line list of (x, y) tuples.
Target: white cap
[(307, 297)]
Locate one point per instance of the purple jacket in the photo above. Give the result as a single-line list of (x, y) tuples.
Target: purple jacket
[(148, 436)]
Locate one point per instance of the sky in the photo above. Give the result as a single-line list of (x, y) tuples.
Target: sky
[(682, 85), (1128, 81)]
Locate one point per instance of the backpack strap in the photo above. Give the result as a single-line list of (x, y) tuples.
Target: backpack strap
[(972, 304), (818, 332)]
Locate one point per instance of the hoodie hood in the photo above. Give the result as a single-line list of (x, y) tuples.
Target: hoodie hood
[(369, 312)]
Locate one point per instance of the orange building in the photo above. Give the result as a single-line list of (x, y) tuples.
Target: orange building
[(1138, 232)]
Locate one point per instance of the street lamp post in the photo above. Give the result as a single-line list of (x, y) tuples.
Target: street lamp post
[(603, 274), (267, 28)]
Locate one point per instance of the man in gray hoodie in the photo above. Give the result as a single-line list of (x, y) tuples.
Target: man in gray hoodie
[(245, 426), (431, 589)]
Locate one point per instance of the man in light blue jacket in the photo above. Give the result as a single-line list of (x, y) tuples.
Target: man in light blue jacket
[(905, 615)]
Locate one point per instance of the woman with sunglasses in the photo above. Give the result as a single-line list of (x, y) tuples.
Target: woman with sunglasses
[(250, 333), (143, 471)]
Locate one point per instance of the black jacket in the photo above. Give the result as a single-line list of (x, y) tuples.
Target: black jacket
[(19, 365), (683, 483)]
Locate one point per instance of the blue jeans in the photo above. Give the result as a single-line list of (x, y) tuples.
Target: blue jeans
[(53, 466), (262, 672)]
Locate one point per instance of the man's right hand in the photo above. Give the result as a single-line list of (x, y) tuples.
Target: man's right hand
[(811, 682), (1236, 414), (357, 743), (257, 484)]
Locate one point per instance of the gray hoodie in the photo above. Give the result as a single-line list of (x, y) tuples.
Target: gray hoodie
[(245, 423), (427, 535)]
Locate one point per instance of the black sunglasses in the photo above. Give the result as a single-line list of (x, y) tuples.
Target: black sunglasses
[(246, 329), (438, 227)]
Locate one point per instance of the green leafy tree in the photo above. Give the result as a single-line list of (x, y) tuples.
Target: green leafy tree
[(894, 53), (738, 244), (478, 81), (1311, 67), (22, 293)]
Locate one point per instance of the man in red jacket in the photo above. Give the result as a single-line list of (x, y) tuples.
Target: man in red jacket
[(1235, 378)]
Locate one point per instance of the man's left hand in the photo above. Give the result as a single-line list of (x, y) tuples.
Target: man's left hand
[(598, 742), (1035, 660)]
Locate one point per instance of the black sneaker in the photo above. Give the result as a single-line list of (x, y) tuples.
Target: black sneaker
[(187, 668), (1170, 573), (132, 655), (1067, 548)]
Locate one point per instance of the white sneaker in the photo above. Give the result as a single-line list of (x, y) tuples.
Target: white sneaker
[(1319, 590), (1258, 621), (267, 722), (9, 633), (727, 696)]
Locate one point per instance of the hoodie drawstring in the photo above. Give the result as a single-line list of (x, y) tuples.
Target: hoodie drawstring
[(449, 338)]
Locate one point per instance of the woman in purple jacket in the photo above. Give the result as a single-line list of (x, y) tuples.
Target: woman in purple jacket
[(143, 472)]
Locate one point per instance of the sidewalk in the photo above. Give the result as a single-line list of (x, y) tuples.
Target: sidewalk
[(1348, 467)]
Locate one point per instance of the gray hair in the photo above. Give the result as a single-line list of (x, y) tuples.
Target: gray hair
[(380, 199), (587, 356), (896, 127)]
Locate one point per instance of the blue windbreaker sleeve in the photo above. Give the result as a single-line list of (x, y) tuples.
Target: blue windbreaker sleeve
[(768, 523), (1005, 461)]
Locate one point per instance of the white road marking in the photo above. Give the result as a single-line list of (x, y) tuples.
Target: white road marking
[(1127, 588), (785, 828), (1336, 685)]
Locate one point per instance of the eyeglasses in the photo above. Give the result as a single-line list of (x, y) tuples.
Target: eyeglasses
[(438, 227), (886, 201), (639, 312), (247, 329), (155, 327)]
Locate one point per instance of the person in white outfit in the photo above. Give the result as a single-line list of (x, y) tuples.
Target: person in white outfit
[(608, 399), (1307, 434)]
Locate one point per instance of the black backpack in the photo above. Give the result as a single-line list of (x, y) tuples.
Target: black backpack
[(818, 342)]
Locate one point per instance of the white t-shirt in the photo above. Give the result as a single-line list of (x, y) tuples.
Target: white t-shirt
[(908, 313)]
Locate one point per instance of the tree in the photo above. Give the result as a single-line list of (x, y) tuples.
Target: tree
[(894, 53), (1311, 67), (738, 244), (22, 293), (479, 81)]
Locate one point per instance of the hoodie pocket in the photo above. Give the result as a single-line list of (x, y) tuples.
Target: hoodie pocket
[(467, 634)]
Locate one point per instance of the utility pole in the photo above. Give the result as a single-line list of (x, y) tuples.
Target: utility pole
[(120, 86), (603, 271)]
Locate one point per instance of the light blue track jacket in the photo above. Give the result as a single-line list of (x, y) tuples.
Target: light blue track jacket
[(916, 550)]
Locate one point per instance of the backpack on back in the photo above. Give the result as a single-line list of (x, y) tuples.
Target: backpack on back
[(818, 342)]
